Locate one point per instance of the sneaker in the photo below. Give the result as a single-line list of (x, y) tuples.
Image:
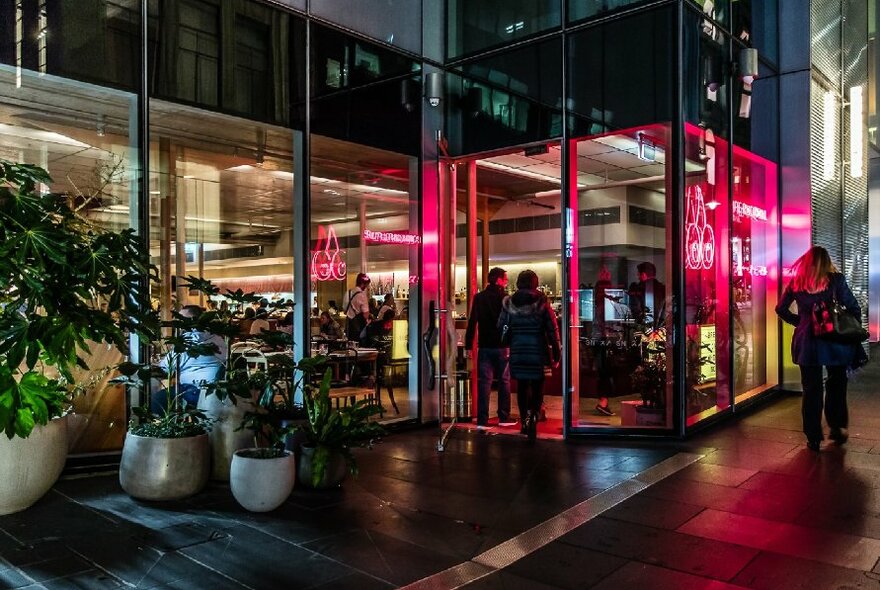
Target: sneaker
[(483, 427), (813, 445), (509, 421), (839, 436), (604, 410)]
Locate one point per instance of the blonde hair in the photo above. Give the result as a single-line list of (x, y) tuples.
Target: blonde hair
[(811, 270)]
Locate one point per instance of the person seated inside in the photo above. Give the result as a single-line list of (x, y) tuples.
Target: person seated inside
[(332, 308), (260, 323), (244, 326), (330, 328), (387, 304), (194, 371), (286, 323)]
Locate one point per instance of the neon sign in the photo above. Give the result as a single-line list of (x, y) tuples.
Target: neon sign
[(756, 270), (388, 237), (327, 262), (751, 211), (699, 235)]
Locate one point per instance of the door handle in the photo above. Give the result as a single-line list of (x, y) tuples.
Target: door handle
[(427, 337)]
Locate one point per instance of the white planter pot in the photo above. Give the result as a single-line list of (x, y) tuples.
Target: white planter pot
[(334, 475), (261, 485), (164, 468), (30, 466), (223, 436)]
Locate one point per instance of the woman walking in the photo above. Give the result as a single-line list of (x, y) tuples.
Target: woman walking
[(816, 280), (529, 324)]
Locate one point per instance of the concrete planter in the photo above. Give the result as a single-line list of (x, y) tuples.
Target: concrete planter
[(30, 466), (223, 436), (259, 484), (164, 468), (333, 476)]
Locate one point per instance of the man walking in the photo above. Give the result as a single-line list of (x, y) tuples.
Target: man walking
[(492, 356)]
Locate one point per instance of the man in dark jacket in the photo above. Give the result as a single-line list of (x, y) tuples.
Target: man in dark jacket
[(492, 356)]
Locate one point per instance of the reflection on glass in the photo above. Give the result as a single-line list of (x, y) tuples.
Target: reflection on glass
[(84, 137), (620, 316), (473, 26), (707, 273), (362, 222), (755, 273)]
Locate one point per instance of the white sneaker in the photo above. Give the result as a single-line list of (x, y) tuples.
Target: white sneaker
[(509, 421)]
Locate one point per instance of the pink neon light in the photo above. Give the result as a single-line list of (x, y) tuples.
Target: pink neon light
[(751, 211), (387, 237), (327, 263), (699, 235)]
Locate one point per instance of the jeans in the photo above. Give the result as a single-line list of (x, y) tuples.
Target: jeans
[(159, 399), (836, 413), (529, 396), (492, 363)]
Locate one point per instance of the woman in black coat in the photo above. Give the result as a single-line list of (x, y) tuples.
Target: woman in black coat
[(534, 344), (817, 280)]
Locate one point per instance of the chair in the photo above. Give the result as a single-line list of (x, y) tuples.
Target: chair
[(243, 346), (249, 353)]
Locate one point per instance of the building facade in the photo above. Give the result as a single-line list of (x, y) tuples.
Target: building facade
[(659, 164)]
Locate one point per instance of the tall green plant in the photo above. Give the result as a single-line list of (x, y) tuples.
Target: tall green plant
[(64, 282), (332, 430)]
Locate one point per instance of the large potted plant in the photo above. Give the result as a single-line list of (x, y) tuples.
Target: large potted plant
[(64, 283), (262, 477), (649, 379), (166, 455), (330, 433)]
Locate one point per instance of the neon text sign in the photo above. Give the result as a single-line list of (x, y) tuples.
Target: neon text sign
[(751, 211), (699, 235), (388, 237), (327, 261)]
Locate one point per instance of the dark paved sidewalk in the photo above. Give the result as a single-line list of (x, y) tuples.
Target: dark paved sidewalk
[(758, 510)]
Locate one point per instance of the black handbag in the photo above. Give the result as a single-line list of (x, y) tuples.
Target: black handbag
[(831, 321)]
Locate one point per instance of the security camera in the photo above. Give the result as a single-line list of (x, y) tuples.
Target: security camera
[(434, 88)]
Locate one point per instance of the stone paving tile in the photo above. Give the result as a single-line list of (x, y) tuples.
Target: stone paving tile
[(382, 556), (798, 541), (642, 575), (641, 509), (687, 553), (88, 580), (772, 571), (249, 556), (562, 565), (716, 474), (504, 580)]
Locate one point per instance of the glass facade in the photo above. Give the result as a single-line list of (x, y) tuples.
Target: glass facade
[(644, 196)]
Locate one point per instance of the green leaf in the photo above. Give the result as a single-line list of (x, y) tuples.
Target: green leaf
[(24, 423)]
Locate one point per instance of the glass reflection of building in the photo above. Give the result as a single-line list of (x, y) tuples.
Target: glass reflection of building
[(588, 141)]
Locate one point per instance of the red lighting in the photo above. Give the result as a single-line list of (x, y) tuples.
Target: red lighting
[(327, 262), (741, 210), (699, 235), (387, 237)]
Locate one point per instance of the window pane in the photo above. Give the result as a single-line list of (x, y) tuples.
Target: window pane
[(583, 9), (397, 22), (84, 136), (474, 26), (363, 220), (621, 320)]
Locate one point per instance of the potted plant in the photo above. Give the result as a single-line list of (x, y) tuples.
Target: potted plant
[(64, 283), (649, 379), (330, 434), (262, 477), (166, 454)]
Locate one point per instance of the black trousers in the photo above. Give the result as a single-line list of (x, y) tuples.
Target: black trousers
[(529, 396), (833, 398)]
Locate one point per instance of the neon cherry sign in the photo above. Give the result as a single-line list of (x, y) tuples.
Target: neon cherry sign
[(327, 262), (699, 236)]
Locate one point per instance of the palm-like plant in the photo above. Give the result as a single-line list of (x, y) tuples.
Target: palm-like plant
[(64, 282)]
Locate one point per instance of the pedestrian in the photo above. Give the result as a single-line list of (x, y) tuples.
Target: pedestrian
[(492, 355), (816, 280), (529, 324)]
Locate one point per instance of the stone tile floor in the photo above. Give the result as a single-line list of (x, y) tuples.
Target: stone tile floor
[(753, 509)]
